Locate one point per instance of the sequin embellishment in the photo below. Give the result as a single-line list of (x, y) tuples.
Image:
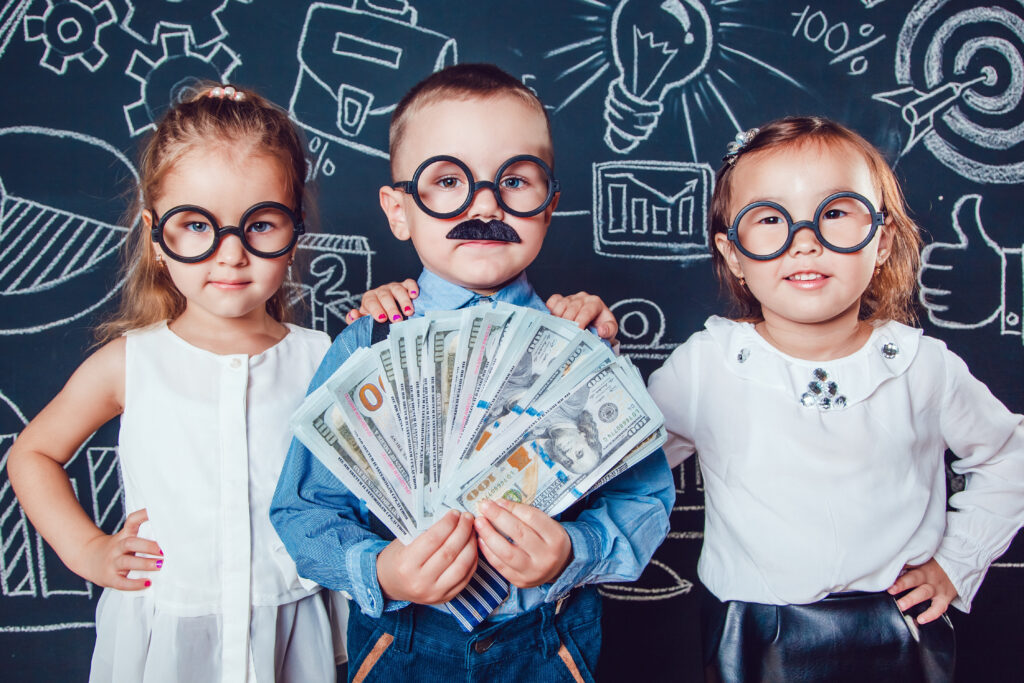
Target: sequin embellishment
[(890, 350), (822, 392)]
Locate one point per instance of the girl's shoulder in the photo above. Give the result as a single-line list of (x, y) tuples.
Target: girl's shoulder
[(314, 339)]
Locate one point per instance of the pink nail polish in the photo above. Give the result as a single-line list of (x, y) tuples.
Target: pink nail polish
[(414, 292), (407, 309), (148, 583), (382, 317), (159, 563), (396, 317)]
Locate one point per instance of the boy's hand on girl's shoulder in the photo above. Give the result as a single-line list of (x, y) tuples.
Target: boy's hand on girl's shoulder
[(929, 582), (523, 544), (585, 310), (391, 301), (434, 567), (106, 560)]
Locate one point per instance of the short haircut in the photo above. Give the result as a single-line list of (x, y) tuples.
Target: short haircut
[(461, 81)]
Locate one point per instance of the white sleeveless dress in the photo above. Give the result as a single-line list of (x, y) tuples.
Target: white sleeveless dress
[(202, 442)]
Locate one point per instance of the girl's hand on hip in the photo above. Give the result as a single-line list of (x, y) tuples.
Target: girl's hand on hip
[(522, 543), (929, 582), (106, 560)]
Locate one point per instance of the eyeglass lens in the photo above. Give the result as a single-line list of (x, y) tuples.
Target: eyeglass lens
[(192, 233), (843, 222), (443, 186)]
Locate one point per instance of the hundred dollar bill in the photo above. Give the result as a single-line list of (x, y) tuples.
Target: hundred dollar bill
[(571, 446), (361, 395), (439, 365), (320, 426)]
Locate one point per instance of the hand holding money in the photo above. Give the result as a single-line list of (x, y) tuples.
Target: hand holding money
[(525, 545)]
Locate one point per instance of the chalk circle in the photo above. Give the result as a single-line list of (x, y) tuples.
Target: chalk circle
[(641, 321), (667, 584)]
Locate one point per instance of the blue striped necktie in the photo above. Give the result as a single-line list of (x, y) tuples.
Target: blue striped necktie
[(481, 596)]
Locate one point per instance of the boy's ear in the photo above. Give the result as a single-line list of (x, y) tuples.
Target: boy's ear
[(392, 203), (728, 252)]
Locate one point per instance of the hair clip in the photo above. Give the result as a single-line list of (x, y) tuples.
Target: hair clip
[(227, 91), (742, 139)]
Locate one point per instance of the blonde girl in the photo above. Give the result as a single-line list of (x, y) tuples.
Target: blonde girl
[(203, 367), (821, 418)]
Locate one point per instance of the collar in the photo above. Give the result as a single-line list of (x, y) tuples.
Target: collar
[(438, 294), (888, 353)]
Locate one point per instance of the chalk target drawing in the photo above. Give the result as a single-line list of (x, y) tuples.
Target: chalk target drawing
[(962, 72), (35, 586), (56, 261), (642, 329), (356, 64), (673, 53), (651, 209), (173, 76), (70, 30), (145, 20)]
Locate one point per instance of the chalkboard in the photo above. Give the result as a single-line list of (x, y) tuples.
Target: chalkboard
[(643, 97)]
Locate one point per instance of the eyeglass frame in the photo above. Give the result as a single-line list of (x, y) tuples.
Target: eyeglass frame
[(157, 231), (409, 186), (877, 220)]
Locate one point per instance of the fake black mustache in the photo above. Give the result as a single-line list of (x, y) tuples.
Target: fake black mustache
[(476, 229)]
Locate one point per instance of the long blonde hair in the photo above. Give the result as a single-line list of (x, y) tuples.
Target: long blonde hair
[(890, 295), (148, 295)]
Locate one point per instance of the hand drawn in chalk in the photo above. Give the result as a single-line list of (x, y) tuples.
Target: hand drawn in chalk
[(656, 52), (970, 283), (172, 77), (70, 30), (356, 64), (57, 262), (962, 72), (651, 209), (200, 19)]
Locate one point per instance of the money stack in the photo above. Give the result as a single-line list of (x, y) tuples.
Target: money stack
[(489, 402)]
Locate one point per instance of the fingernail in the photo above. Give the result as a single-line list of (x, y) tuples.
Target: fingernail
[(148, 583), (348, 316), (503, 503), (414, 292), (396, 316), (159, 563), (382, 317), (407, 309)]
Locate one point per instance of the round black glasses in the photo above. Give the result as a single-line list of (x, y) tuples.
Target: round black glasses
[(190, 234), (844, 222), (443, 186)]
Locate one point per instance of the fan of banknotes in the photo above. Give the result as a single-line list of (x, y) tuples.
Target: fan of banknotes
[(489, 402)]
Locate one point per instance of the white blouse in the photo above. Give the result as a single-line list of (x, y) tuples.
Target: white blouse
[(202, 442), (827, 476)]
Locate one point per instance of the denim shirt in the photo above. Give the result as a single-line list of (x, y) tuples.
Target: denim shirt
[(326, 528)]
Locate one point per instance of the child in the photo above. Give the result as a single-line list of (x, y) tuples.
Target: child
[(204, 371), (826, 511), (475, 243)]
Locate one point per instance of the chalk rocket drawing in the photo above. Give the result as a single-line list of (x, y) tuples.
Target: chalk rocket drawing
[(56, 261), (962, 73), (172, 76), (993, 275), (70, 30), (355, 65), (674, 52), (651, 209)]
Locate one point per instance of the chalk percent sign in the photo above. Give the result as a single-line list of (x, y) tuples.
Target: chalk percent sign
[(318, 146), (836, 38)]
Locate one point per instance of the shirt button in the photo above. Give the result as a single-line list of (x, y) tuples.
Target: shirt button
[(236, 363), (483, 645)]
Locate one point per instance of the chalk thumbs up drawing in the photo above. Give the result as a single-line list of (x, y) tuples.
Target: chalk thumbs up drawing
[(965, 284)]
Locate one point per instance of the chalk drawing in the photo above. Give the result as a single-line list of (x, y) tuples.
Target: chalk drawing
[(146, 19), (340, 270), (961, 92), (992, 274), (652, 209), (173, 76), (70, 30), (55, 263), (11, 16), (354, 67)]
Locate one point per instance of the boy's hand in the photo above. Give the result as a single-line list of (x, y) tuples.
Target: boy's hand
[(434, 567), (106, 560), (539, 549), (929, 581), (390, 301), (585, 310)]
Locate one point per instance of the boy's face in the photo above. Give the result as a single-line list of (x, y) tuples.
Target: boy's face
[(483, 133)]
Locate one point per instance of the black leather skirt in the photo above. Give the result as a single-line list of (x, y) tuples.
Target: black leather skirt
[(852, 637)]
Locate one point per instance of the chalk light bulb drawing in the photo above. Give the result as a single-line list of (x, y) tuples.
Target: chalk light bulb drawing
[(654, 52)]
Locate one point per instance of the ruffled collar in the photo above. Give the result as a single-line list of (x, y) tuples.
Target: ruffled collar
[(818, 385)]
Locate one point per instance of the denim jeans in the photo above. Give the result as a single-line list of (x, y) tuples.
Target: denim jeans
[(420, 644)]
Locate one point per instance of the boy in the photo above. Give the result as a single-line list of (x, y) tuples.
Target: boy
[(475, 241)]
